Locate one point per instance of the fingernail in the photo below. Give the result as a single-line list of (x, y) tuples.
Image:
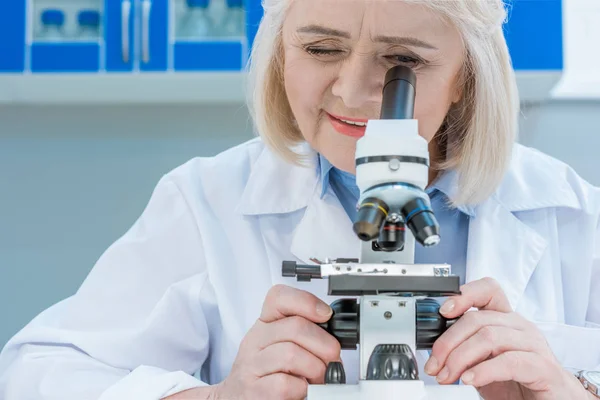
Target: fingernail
[(443, 375), (468, 377), (323, 309), (431, 366), (447, 307)]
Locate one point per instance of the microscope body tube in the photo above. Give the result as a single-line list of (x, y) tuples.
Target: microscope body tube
[(392, 172), (399, 94)]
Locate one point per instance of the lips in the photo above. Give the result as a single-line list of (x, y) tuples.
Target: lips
[(353, 127)]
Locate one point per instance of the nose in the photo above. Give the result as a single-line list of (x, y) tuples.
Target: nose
[(359, 82)]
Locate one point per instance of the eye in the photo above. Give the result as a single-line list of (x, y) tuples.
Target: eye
[(408, 60), (319, 51)]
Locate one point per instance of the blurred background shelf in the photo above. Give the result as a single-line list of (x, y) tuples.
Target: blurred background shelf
[(190, 51), (176, 88), (152, 88)]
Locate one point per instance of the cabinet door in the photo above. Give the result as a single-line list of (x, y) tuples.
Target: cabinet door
[(534, 34), (12, 32), (65, 35), (119, 36), (208, 35), (254, 14), (154, 34)]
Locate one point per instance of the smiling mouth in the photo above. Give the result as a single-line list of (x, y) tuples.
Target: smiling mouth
[(363, 124), (354, 127)]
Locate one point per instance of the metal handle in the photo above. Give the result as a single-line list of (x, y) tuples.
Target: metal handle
[(146, 10), (125, 16)]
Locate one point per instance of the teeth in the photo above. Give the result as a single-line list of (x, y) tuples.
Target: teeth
[(363, 124)]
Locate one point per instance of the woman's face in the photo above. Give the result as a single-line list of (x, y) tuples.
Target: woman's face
[(337, 53)]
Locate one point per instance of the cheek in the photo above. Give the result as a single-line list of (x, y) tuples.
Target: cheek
[(305, 88), (431, 106)]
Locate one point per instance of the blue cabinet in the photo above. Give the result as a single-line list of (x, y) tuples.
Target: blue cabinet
[(58, 40), (91, 36), (534, 34), (154, 35), (12, 36), (119, 32)]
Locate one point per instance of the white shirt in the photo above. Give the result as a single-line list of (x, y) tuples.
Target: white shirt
[(178, 292)]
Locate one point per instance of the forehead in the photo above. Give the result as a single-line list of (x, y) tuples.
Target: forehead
[(369, 16)]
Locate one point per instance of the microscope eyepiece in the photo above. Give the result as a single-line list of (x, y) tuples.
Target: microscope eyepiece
[(371, 214), (399, 93), (422, 222)]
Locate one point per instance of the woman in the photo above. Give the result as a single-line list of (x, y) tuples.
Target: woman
[(196, 283)]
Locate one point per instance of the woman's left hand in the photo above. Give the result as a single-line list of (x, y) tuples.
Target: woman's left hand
[(498, 351)]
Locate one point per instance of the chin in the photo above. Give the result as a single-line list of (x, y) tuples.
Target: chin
[(342, 154), (339, 149)]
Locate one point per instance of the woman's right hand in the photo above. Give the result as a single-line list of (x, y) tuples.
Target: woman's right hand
[(283, 351)]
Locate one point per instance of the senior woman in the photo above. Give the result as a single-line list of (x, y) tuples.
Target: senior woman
[(195, 284)]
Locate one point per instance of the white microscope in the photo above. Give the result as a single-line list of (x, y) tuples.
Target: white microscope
[(395, 315)]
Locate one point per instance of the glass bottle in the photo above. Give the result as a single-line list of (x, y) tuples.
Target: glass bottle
[(233, 23), (196, 22), (52, 24), (89, 24)]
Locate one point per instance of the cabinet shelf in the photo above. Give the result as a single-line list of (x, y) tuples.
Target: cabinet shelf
[(180, 87), (146, 88)]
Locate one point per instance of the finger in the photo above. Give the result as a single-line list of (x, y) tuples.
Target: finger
[(300, 331), (280, 386), (284, 301), (529, 369), (468, 325), (488, 342), (484, 294), (291, 359)]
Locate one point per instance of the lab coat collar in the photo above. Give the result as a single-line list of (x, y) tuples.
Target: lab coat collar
[(276, 186), (535, 181)]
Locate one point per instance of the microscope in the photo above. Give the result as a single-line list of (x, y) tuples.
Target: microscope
[(393, 313)]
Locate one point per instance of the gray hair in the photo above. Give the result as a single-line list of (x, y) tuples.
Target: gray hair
[(479, 130)]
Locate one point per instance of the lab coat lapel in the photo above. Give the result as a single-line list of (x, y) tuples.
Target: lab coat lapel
[(325, 231), (502, 247), (277, 191)]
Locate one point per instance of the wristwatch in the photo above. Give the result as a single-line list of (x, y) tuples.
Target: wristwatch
[(591, 381)]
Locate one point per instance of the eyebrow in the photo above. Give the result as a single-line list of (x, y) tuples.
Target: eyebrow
[(395, 40), (324, 31), (404, 41)]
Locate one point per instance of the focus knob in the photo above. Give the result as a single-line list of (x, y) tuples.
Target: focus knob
[(430, 323), (335, 373), (344, 323), (392, 362)]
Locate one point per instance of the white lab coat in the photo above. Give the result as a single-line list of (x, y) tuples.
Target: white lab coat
[(177, 293)]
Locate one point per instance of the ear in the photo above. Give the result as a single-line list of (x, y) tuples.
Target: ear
[(458, 94)]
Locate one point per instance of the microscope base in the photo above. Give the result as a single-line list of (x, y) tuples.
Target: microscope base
[(391, 390)]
